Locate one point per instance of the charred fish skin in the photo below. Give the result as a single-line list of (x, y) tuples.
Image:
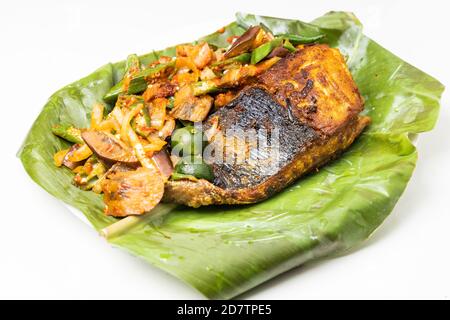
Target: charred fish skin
[(270, 138), (310, 96), (203, 193)]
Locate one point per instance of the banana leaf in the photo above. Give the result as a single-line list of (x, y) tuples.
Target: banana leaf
[(225, 251)]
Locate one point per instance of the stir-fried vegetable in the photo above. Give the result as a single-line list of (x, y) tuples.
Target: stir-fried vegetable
[(124, 154), (264, 50), (88, 175), (68, 132), (190, 108), (244, 43), (193, 166), (108, 148), (163, 163), (132, 67), (80, 154), (242, 58), (205, 87), (158, 112), (298, 39), (59, 157), (66, 160), (187, 141), (288, 45), (138, 82)]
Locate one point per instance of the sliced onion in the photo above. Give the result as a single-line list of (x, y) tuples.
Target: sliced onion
[(124, 132)]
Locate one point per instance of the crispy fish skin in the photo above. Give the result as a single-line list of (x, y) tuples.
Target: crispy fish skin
[(203, 193), (313, 88), (269, 137)]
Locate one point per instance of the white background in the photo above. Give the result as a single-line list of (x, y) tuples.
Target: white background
[(46, 252)]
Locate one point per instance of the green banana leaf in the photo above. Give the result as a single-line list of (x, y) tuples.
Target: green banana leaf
[(225, 251)]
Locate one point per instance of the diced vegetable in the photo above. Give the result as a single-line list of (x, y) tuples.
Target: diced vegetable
[(138, 82), (189, 107), (159, 90), (157, 112), (237, 76), (68, 132), (199, 54), (205, 87), (242, 58), (232, 78), (207, 74), (264, 50), (184, 64), (89, 174), (203, 56)]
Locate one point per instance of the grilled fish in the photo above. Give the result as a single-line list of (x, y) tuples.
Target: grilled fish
[(308, 101)]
